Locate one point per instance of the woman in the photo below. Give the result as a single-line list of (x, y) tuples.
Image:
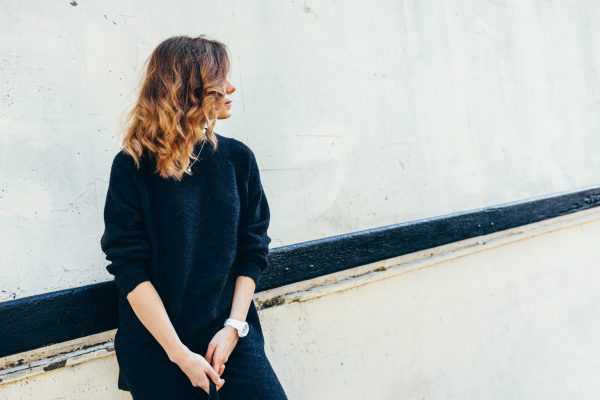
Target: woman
[(186, 222)]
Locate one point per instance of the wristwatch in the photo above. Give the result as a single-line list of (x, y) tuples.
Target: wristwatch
[(241, 326)]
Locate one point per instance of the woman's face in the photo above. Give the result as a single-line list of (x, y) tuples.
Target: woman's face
[(225, 109)]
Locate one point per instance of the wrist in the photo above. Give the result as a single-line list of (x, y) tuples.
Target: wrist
[(231, 330), (178, 353)]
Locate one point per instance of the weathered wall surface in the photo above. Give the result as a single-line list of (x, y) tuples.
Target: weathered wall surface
[(361, 115), (505, 320), (514, 322)]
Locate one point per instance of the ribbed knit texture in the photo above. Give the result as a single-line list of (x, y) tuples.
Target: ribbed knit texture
[(190, 238)]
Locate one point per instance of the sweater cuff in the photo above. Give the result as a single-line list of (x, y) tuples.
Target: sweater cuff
[(251, 270), (129, 277)]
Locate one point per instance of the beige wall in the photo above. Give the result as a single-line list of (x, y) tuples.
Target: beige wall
[(362, 114), (509, 316)]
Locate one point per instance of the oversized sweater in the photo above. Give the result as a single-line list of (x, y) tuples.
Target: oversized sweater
[(190, 238)]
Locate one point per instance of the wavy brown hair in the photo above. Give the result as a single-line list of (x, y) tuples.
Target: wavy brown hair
[(181, 92)]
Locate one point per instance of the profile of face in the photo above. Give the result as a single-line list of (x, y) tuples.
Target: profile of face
[(224, 111)]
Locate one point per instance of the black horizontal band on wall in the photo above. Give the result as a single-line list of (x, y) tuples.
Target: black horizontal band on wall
[(41, 320)]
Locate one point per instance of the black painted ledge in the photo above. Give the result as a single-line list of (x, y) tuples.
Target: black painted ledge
[(36, 321)]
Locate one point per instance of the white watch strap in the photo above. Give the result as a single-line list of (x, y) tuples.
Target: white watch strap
[(240, 326), (237, 324)]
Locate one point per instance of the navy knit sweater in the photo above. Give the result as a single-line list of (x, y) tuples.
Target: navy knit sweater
[(190, 238)]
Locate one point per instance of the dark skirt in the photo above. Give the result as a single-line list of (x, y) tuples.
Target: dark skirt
[(147, 372)]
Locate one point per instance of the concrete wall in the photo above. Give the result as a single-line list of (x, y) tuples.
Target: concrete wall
[(513, 315), (517, 321), (361, 114)]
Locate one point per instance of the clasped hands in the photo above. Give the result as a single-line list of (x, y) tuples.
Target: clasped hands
[(210, 367)]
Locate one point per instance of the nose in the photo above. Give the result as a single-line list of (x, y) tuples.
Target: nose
[(229, 88)]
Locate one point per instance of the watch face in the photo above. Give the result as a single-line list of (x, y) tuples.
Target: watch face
[(245, 330)]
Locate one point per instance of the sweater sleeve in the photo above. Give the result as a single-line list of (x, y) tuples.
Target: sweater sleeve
[(124, 240), (253, 240)]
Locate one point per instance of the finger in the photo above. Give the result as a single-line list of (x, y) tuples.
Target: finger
[(213, 376), (216, 361), (221, 369), (210, 351)]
